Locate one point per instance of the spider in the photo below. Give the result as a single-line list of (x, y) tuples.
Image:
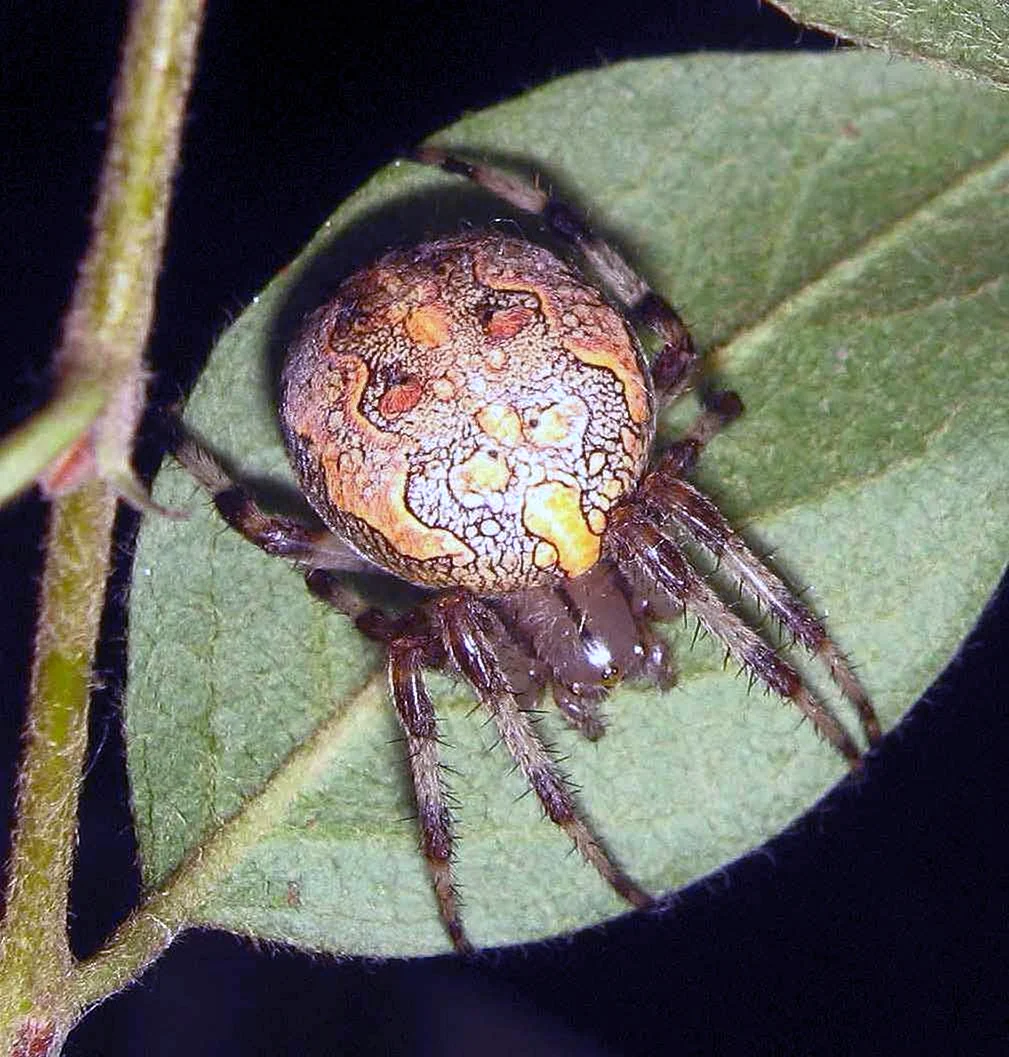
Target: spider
[(475, 418)]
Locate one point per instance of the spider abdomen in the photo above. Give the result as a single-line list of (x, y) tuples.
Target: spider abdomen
[(467, 412)]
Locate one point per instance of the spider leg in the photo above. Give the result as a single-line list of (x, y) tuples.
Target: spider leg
[(472, 634), (676, 361), (648, 557), (721, 408), (407, 658), (316, 551), (675, 501)]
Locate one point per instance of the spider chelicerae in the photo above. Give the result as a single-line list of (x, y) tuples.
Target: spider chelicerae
[(472, 417)]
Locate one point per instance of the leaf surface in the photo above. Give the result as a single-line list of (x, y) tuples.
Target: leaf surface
[(970, 37), (834, 229)]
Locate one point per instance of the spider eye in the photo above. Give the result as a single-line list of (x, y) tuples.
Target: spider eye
[(610, 676)]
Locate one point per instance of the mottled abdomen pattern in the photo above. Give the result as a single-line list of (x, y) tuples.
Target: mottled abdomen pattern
[(467, 412)]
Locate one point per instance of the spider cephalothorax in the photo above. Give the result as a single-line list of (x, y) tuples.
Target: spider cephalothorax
[(475, 418)]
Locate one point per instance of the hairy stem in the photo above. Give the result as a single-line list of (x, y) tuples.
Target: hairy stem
[(102, 348), (36, 956)]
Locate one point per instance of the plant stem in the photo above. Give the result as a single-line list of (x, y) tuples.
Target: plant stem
[(35, 952), (113, 301), (102, 347)]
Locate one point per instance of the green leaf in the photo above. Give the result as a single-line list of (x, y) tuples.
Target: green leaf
[(969, 37), (834, 228)]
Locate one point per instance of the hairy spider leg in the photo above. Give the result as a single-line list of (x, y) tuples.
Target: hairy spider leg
[(310, 549), (407, 660), (674, 365), (469, 630), (677, 503), (410, 641), (653, 562)]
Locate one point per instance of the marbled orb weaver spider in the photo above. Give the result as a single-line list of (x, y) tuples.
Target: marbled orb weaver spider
[(471, 416)]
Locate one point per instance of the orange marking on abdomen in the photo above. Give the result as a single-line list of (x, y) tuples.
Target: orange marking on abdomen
[(479, 474), (400, 398), (428, 326), (507, 322)]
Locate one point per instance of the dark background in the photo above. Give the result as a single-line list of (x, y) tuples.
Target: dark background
[(876, 925)]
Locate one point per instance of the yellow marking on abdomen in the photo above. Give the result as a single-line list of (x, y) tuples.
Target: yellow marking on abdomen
[(553, 512), (501, 423), (471, 480)]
